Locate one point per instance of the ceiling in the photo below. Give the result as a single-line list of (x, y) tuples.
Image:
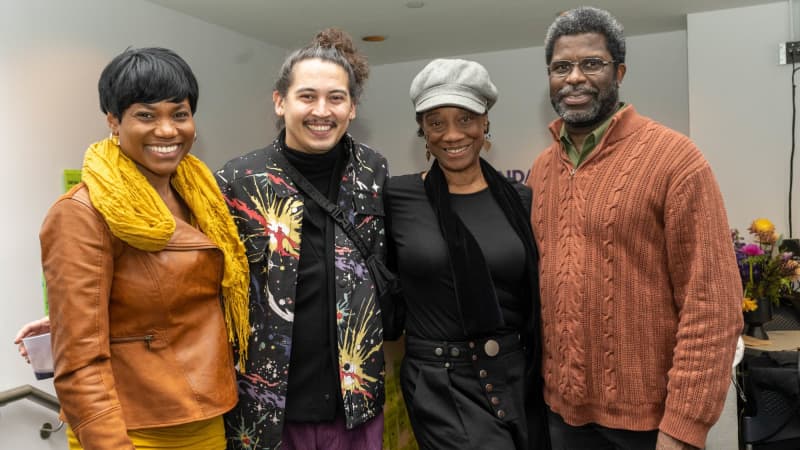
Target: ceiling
[(438, 28)]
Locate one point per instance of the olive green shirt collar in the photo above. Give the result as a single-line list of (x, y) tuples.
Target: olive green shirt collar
[(591, 141)]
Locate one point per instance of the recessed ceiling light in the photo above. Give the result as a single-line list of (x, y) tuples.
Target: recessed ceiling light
[(415, 4), (374, 38)]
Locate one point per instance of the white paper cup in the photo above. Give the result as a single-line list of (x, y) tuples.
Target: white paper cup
[(40, 354)]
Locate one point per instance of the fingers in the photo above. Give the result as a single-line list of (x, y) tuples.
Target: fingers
[(27, 330), (33, 328), (23, 332), (23, 352)]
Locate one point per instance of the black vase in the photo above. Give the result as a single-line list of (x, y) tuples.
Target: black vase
[(755, 320)]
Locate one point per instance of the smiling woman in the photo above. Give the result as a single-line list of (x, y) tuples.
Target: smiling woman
[(455, 138), (156, 137), (461, 241), (136, 259)]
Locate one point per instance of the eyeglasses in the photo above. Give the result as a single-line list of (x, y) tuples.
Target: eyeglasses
[(589, 66)]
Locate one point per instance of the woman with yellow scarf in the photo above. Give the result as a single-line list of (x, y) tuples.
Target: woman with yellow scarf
[(147, 279)]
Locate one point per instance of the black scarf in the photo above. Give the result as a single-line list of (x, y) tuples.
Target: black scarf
[(477, 300)]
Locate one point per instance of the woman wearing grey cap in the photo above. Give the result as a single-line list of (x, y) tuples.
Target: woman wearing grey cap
[(461, 241)]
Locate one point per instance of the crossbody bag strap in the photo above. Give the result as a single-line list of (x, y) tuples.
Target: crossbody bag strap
[(334, 211)]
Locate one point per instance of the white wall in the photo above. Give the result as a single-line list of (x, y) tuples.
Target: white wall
[(656, 83), (51, 55), (740, 109)]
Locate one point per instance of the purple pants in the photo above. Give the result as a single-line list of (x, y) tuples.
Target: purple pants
[(333, 435)]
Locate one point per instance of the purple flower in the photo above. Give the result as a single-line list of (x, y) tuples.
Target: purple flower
[(752, 250)]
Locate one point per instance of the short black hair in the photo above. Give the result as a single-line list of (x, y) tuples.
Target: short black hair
[(146, 75), (587, 19)]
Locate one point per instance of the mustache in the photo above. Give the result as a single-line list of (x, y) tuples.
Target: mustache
[(579, 90)]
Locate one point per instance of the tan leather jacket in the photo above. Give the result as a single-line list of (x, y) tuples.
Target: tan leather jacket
[(139, 339)]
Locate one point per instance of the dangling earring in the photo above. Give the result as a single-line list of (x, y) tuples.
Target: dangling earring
[(195, 135), (114, 138), (487, 138), (427, 153)]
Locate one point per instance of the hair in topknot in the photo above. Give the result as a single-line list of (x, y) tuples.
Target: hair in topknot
[(332, 45), (341, 41)]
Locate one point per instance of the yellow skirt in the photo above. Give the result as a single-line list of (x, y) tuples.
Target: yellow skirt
[(203, 435)]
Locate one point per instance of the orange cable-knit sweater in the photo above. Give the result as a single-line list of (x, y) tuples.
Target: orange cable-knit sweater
[(641, 297)]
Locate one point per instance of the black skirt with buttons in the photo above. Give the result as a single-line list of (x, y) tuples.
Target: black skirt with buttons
[(466, 395)]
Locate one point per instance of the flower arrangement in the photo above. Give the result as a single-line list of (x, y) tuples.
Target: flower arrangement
[(766, 271)]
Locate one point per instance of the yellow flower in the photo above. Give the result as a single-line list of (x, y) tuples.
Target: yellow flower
[(748, 305), (764, 231), (762, 225)]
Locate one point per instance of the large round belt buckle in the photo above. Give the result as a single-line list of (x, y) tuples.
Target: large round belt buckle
[(491, 348)]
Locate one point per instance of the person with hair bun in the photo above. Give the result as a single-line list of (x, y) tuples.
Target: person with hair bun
[(314, 376)]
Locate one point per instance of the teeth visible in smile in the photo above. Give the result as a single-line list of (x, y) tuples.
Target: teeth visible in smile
[(162, 148), (319, 127), (456, 150)]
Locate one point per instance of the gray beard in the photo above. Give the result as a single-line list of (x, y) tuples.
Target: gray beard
[(603, 106)]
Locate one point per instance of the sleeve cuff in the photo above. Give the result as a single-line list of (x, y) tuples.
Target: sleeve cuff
[(684, 429)]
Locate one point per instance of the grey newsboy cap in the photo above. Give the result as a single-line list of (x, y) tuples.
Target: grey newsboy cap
[(453, 82)]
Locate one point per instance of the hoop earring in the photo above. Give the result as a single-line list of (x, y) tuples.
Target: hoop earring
[(114, 138)]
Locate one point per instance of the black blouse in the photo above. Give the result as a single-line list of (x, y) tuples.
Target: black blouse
[(421, 259)]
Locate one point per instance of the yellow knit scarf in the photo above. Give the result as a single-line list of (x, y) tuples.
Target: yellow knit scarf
[(136, 214)]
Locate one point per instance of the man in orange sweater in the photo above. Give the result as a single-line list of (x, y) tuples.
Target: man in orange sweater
[(640, 290)]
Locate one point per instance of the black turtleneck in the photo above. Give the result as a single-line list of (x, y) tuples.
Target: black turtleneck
[(311, 397)]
